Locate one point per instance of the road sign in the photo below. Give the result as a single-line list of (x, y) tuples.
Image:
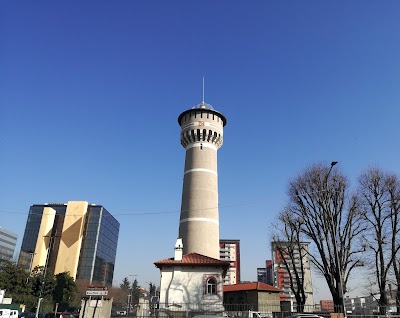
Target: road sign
[(97, 287), (96, 292)]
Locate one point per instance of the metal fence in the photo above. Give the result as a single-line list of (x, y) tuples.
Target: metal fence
[(190, 310)]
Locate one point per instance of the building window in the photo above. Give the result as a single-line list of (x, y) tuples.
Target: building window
[(211, 286)]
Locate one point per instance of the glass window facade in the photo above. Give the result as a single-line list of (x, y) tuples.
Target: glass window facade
[(32, 231), (99, 247), (99, 242)]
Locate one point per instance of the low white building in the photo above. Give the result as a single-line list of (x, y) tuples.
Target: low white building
[(191, 282)]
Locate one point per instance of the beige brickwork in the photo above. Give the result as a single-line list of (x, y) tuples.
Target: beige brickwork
[(202, 136)]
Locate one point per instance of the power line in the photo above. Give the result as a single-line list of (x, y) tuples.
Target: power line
[(132, 213)]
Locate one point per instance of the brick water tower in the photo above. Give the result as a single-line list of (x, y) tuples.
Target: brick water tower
[(201, 136)]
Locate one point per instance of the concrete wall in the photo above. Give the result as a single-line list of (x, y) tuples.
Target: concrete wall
[(43, 240), (71, 238), (262, 301), (266, 299), (95, 308)]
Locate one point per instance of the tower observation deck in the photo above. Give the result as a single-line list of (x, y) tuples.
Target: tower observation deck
[(201, 136)]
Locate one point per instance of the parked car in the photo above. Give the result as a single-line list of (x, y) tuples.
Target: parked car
[(208, 316), (27, 314), (59, 314), (8, 313), (74, 311), (304, 316)]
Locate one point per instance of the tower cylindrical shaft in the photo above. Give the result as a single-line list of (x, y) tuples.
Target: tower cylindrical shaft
[(201, 136)]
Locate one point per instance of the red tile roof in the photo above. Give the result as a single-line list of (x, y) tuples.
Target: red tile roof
[(193, 259), (251, 286)]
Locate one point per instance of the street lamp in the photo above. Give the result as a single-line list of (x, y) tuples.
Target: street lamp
[(130, 295), (129, 304), (333, 163), (335, 247), (32, 254), (51, 241)]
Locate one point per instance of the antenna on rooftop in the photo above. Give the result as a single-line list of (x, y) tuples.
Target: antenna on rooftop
[(203, 91)]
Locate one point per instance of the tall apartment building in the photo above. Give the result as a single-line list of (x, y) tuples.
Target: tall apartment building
[(8, 240), (77, 237), (262, 275), (281, 274), (229, 250), (265, 274)]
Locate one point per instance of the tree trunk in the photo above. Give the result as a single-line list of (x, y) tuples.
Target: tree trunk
[(338, 303), (383, 302), (398, 301)]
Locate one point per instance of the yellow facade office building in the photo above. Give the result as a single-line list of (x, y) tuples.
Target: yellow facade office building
[(75, 237)]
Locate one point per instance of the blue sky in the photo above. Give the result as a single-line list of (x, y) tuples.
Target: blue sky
[(91, 92)]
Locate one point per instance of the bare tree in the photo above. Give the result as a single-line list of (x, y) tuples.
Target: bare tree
[(331, 219), (394, 194), (293, 254), (379, 193)]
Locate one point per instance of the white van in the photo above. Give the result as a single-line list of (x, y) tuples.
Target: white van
[(8, 313), (14, 313), (5, 313)]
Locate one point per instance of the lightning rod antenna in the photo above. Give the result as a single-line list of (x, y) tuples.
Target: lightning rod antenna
[(203, 91)]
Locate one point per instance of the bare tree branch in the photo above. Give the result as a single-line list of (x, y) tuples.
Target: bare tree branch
[(379, 193), (331, 220)]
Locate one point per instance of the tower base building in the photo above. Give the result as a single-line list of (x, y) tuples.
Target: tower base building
[(191, 283)]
